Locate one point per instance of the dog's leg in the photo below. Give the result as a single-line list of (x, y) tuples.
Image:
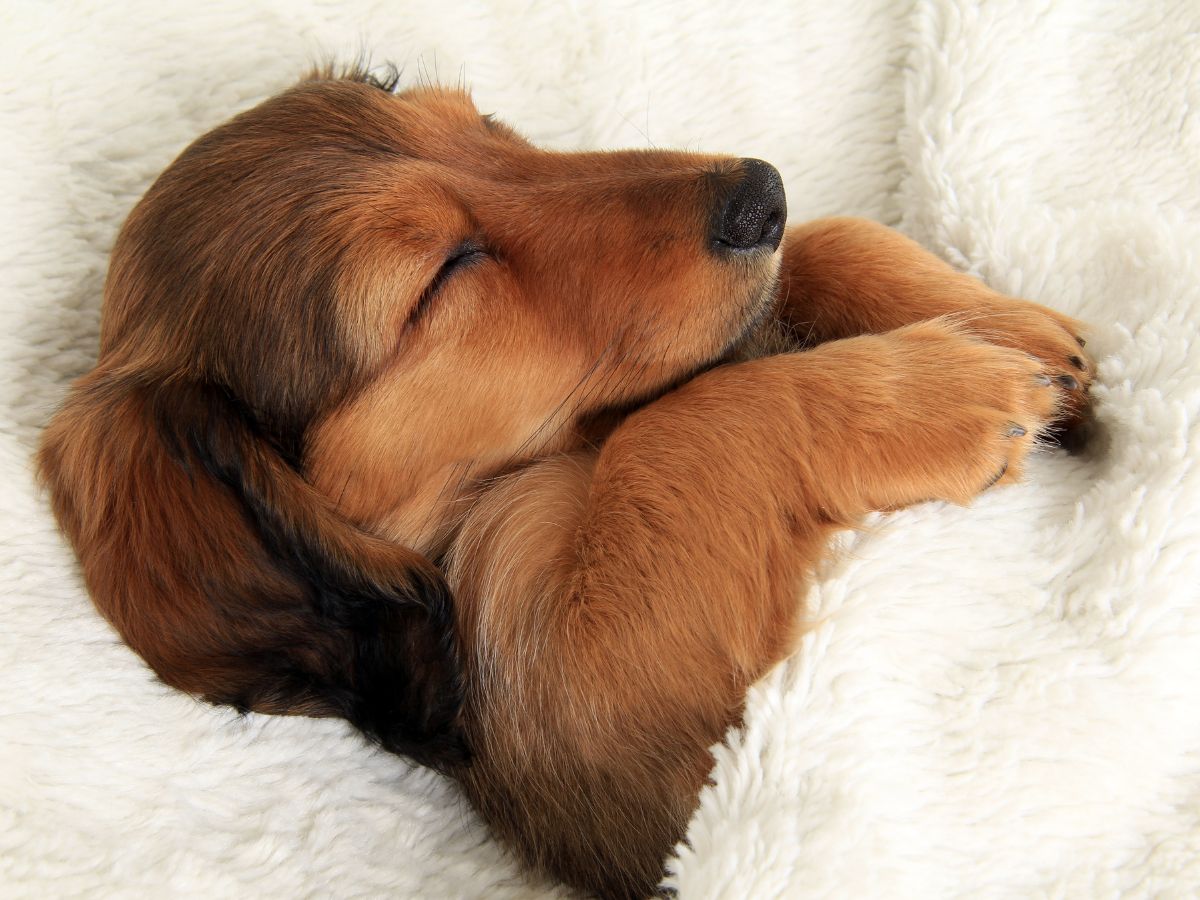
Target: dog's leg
[(843, 277), (616, 606)]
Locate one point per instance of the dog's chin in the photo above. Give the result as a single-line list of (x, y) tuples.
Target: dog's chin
[(755, 334), (759, 333), (767, 338)]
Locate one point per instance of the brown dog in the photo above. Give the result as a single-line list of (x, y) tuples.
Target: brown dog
[(401, 419)]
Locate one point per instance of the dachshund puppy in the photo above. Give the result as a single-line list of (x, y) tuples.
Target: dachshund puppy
[(402, 419)]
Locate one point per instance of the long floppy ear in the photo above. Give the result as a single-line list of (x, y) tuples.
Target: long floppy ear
[(235, 579)]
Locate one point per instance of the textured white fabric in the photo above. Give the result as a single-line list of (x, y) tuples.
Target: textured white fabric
[(994, 701)]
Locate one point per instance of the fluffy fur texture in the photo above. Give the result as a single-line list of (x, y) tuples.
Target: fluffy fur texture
[(42, 796), (353, 330)]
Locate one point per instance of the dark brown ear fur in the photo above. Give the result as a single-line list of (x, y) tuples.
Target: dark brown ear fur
[(232, 577), (175, 467)]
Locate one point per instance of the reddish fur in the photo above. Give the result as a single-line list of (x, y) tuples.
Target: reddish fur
[(619, 578)]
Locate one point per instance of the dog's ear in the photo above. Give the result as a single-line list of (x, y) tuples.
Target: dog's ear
[(235, 579)]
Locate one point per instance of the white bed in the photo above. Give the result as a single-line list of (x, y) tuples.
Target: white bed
[(995, 701)]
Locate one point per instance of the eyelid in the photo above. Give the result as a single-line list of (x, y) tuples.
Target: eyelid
[(466, 252), (466, 247)]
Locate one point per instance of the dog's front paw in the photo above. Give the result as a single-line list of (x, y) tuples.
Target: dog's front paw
[(1056, 341), (981, 406)]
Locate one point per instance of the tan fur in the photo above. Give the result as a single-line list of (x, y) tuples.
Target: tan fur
[(624, 515)]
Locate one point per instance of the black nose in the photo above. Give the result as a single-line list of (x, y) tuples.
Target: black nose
[(754, 213)]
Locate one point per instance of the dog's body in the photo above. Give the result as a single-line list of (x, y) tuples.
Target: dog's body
[(401, 419)]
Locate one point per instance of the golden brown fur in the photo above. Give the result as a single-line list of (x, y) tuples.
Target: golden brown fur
[(515, 503)]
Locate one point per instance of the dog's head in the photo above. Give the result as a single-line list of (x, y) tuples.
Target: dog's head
[(349, 304), (406, 294)]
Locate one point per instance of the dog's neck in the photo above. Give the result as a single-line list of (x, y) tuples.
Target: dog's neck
[(421, 502), (419, 495)]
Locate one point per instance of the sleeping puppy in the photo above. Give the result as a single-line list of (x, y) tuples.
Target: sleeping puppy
[(401, 419)]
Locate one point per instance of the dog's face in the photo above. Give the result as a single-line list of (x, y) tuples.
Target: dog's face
[(406, 295)]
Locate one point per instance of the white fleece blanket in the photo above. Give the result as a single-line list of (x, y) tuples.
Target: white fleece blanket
[(995, 701)]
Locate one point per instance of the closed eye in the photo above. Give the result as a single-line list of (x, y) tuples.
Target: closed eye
[(464, 255)]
